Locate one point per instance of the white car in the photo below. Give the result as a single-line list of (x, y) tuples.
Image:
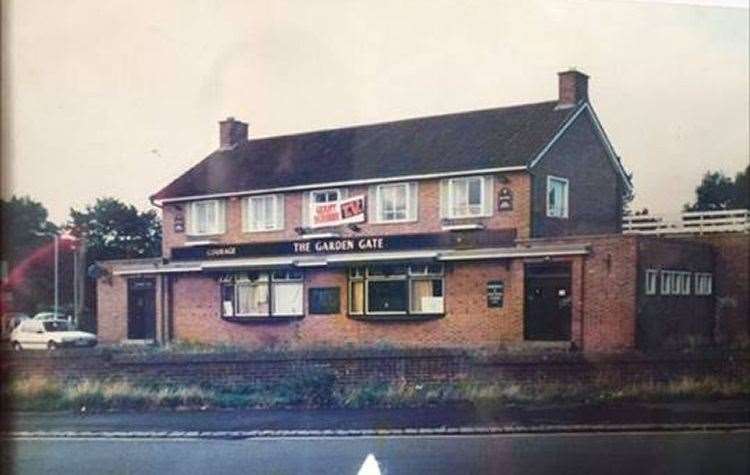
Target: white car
[(49, 335)]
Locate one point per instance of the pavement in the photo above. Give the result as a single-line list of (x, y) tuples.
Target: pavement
[(439, 420)]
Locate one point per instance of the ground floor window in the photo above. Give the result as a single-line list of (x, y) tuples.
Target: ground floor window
[(396, 289), (262, 294), (703, 283)]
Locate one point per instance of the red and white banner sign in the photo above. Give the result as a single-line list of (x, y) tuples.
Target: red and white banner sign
[(349, 210)]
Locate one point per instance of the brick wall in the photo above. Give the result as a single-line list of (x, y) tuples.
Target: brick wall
[(429, 220), (731, 285), (467, 321), (673, 320), (356, 367)]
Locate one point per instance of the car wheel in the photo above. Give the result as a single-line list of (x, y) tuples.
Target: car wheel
[(17, 346), (52, 346)]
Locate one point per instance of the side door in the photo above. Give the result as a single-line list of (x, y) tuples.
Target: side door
[(142, 309)]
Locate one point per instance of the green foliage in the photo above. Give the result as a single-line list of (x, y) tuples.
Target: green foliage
[(27, 250), (24, 224), (114, 230), (317, 389), (718, 191)]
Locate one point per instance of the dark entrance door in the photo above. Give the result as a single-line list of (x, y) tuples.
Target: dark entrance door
[(548, 302), (141, 309)]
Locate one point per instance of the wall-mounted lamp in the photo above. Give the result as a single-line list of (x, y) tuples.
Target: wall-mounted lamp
[(354, 227), (299, 230)]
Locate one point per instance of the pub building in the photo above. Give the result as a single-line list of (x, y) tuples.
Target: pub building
[(489, 227)]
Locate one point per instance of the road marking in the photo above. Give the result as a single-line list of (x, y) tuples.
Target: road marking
[(352, 434), (370, 466)]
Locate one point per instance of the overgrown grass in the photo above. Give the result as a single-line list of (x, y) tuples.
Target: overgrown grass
[(318, 388)]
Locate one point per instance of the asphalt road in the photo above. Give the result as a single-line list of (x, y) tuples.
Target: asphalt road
[(711, 412), (612, 453)]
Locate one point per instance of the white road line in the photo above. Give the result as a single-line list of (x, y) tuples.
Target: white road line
[(368, 434)]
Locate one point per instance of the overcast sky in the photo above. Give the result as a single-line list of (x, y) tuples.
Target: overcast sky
[(117, 98)]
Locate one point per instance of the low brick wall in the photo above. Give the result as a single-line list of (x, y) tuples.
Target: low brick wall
[(355, 367)]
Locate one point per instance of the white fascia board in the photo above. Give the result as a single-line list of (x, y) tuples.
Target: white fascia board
[(384, 256), (246, 263), (334, 184), (158, 270), (510, 253), (600, 131)]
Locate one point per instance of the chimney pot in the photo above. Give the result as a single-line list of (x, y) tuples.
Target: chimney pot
[(231, 133), (574, 88)]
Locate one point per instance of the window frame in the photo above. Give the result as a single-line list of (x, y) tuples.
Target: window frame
[(565, 211), (704, 283), (482, 198), (365, 275), (218, 227), (379, 210), (268, 278), (278, 221), (651, 281)]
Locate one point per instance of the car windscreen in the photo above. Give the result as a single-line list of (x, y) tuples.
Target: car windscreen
[(57, 326)]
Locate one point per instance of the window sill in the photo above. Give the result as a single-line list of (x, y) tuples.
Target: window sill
[(399, 221), (261, 231), (462, 227), (397, 317), (263, 319)]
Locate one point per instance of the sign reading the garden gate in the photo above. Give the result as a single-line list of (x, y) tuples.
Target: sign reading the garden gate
[(348, 244)]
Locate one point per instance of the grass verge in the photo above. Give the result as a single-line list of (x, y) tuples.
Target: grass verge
[(319, 389)]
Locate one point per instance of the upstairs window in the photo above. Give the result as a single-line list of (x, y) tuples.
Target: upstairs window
[(264, 213), (206, 218), (557, 197), (394, 203), (314, 199), (325, 196), (466, 197)]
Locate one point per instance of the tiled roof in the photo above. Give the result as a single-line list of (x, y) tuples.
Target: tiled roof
[(491, 138)]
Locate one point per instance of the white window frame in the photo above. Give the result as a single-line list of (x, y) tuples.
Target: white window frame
[(217, 226), (667, 279), (650, 281), (482, 201), (563, 212), (380, 216), (685, 284), (307, 217), (277, 222), (412, 273), (271, 280), (704, 283)]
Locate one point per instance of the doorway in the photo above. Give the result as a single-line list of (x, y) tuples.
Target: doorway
[(547, 309), (141, 309)]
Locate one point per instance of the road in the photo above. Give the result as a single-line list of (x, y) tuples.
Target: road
[(611, 453)]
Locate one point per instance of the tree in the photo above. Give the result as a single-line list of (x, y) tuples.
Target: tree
[(718, 191), (27, 250), (25, 226), (114, 230)]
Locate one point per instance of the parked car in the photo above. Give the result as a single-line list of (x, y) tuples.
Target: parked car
[(50, 334), (10, 321), (52, 316)]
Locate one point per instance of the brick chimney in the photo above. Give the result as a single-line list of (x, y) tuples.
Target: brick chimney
[(231, 132), (574, 87)]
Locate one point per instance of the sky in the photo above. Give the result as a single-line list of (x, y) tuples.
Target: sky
[(118, 98)]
